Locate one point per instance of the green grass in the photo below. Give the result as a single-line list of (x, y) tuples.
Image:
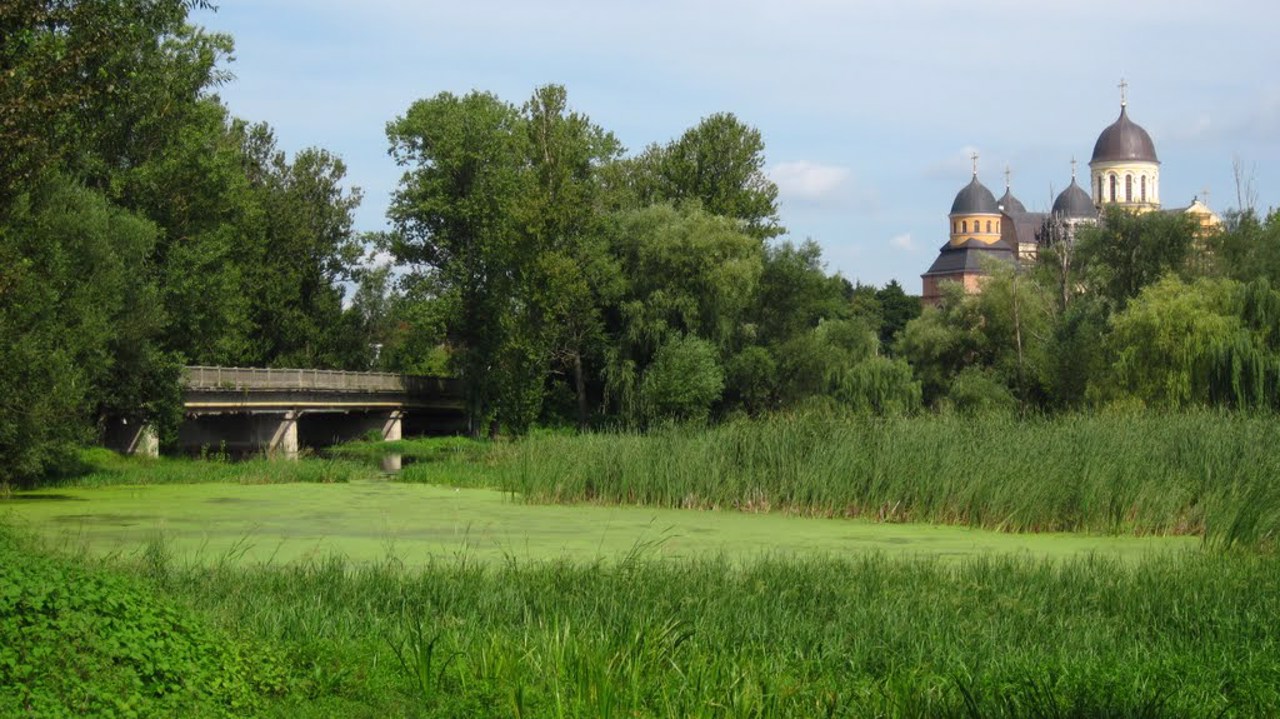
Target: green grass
[(97, 467), (618, 615), (1176, 636), (1205, 474)]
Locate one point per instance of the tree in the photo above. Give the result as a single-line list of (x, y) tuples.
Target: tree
[(686, 272), (718, 163), (897, 309), (79, 321), (455, 215), (91, 85), (1004, 330), (1129, 251), (1162, 342), (683, 381), (795, 293), (572, 274)]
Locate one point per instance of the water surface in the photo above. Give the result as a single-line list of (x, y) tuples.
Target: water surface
[(415, 523)]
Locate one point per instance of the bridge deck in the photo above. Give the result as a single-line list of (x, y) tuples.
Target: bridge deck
[(252, 379)]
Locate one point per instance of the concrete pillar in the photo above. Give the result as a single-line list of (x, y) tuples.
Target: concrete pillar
[(132, 437), (391, 428), (147, 443), (284, 441), (276, 433)]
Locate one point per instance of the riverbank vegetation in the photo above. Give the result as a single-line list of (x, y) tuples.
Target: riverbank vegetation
[(1186, 635)]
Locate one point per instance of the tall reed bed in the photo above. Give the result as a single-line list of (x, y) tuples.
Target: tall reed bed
[(1182, 636), (1212, 474)]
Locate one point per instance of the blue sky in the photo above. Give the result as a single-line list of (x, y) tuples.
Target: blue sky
[(869, 110)]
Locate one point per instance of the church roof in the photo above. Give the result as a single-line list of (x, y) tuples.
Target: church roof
[(1074, 202), (1124, 140), (968, 258), (1009, 204), (975, 198)]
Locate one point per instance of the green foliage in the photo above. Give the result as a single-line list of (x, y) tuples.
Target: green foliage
[(80, 641), (1003, 331), (1129, 251), (1188, 635), (752, 379), (897, 308), (1200, 473), (719, 165), (879, 385), (79, 326), (683, 381), (977, 391)]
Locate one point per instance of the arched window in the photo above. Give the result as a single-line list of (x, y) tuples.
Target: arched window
[(1099, 197), (988, 225), (955, 228), (1113, 187), (1143, 184), (1128, 188), (964, 225)]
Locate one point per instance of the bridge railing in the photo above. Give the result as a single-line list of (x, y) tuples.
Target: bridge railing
[(264, 379)]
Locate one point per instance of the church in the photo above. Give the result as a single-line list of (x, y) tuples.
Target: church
[(1124, 172)]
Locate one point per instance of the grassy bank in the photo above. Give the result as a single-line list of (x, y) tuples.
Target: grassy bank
[(1206, 473), (1186, 636)]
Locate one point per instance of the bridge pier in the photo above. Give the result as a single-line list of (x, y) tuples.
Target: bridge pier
[(132, 437), (277, 434)]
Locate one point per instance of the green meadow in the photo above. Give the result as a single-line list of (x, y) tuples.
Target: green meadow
[(797, 567)]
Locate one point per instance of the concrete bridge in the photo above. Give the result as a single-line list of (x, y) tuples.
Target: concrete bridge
[(278, 411)]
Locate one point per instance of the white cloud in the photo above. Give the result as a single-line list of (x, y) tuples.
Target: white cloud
[(904, 242), (808, 180)]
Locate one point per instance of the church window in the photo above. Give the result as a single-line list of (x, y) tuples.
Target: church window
[(1128, 188), (1143, 185), (988, 225), (1113, 187), (1099, 200), (964, 225)]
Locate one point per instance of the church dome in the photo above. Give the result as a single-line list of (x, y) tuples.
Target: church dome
[(1010, 204), (975, 198), (1074, 203), (1124, 140)]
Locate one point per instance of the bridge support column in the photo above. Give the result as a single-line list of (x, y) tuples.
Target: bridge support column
[(277, 434), (132, 437), (391, 429)]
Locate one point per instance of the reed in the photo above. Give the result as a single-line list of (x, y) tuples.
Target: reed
[(1208, 474), (1191, 635)]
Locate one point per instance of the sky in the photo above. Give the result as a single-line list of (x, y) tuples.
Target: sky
[(869, 111)]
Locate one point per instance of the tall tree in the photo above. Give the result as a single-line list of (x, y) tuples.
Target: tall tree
[(718, 163), (573, 276), (455, 214), (1128, 251)]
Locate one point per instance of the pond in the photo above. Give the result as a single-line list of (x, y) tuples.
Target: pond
[(414, 524)]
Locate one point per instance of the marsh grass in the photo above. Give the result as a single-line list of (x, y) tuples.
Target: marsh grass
[(99, 467), (1207, 474), (1191, 635)]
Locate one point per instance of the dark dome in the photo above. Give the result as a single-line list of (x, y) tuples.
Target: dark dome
[(1124, 140), (1009, 203), (974, 198), (1074, 202)]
